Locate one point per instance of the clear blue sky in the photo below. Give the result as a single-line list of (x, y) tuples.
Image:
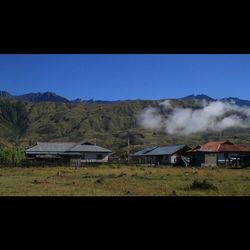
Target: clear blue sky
[(112, 77)]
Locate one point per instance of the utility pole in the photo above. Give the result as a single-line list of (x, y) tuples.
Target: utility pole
[(128, 148)]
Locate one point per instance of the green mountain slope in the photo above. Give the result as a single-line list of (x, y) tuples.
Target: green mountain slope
[(109, 125)]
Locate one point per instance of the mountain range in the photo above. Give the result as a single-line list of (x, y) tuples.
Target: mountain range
[(35, 97), (28, 118), (236, 100), (53, 97)]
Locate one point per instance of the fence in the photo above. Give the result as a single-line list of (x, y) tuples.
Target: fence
[(71, 163), (34, 164)]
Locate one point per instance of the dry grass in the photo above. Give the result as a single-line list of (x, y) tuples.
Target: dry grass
[(123, 181)]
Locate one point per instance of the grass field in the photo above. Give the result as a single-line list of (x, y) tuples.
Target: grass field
[(124, 181)]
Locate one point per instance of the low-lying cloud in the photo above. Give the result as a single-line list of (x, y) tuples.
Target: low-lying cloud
[(210, 116)]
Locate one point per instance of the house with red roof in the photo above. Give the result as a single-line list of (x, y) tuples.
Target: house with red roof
[(216, 153)]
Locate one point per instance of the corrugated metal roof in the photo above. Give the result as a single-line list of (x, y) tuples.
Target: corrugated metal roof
[(232, 148), (221, 146), (64, 147), (168, 150), (214, 145), (88, 148), (144, 151), (241, 146), (51, 147)]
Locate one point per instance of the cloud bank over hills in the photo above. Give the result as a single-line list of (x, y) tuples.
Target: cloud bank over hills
[(210, 116)]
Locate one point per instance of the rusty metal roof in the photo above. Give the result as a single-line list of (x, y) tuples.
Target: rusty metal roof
[(221, 146)]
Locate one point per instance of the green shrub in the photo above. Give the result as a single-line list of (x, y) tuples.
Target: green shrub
[(203, 185)]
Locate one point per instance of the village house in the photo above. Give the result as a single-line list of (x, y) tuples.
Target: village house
[(217, 153), (169, 155), (68, 152)]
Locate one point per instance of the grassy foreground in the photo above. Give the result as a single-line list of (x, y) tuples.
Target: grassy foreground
[(123, 181)]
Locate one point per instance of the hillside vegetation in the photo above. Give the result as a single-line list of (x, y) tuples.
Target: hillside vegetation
[(23, 123)]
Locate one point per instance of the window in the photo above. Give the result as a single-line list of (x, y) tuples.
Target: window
[(83, 156), (220, 157), (99, 156)]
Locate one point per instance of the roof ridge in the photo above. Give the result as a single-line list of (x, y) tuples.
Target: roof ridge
[(57, 142), (176, 145), (216, 142), (151, 149)]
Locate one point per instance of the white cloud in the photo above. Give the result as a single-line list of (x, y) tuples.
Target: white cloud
[(166, 104), (150, 118), (213, 116)]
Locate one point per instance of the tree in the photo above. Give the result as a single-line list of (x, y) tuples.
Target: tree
[(11, 155)]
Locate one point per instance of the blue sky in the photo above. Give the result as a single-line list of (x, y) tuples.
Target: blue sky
[(137, 76)]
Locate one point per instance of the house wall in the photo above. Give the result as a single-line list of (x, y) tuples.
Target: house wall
[(166, 159), (90, 158), (163, 159), (210, 159), (198, 159), (223, 159), (93, 156), (245, 160), (218, 159), (169, 159), (147, 159), (173, 159), (85, 156)]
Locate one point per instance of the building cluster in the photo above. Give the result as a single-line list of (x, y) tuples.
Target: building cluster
[(215, 153)]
